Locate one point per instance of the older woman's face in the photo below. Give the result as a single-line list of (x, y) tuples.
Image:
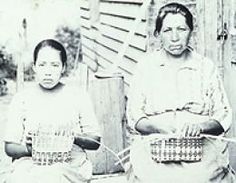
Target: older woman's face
[(175, 34)]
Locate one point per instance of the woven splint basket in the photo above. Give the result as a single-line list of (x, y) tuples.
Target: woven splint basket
[(176, 149), (52, 147)]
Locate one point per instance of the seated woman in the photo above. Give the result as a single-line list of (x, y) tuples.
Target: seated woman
[(177, 92), (50, 107)]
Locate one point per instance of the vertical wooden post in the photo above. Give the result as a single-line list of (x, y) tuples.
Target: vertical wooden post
[(221, 23), (151, 14), (109, 103), (20, 62), (211, 29), (200, 5), (210, 24), (230, 70), (20, 72)]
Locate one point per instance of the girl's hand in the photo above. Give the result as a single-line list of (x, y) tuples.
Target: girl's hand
[(29, 138), (29, 142)]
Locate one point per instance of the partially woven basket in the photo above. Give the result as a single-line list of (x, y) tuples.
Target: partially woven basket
[(52, 147), (176, 149)]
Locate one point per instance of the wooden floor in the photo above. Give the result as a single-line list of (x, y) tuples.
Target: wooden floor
[(109, 179)]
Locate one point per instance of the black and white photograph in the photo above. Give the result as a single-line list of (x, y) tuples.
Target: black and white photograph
[(121, 91)]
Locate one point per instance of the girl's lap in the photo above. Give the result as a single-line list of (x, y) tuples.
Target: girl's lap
[(25, 171)]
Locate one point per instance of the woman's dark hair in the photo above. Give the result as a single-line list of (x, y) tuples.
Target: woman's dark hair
[(174, 8), (53, 44)]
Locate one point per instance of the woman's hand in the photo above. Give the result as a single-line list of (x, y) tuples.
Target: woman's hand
[(148, 126), (211, 127), (191, 130)]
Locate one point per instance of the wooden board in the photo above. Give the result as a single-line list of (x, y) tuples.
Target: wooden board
[(120, 35), (120, 9), (84, 4), (122, 23), (90, 62), (131, 51), (84, 13), (109, 103), (125, 1), (85, 22)]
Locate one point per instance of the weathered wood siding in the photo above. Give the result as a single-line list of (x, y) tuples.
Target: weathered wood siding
[(114, 22)]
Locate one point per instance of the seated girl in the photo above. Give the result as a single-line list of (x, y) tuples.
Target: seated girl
[(47, 108)]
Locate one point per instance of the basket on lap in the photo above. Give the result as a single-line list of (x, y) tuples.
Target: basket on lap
[(176, 149), (50, 145)]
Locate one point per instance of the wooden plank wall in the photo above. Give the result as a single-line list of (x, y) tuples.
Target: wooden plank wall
[(115, 20)]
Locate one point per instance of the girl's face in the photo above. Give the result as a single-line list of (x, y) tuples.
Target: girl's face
[(175, 34), (48, 67)]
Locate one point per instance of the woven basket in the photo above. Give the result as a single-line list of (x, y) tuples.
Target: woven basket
[(176, 149), (49, 147)]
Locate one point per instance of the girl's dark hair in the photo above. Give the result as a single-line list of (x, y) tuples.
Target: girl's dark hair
[(173, 8), (53, 44)]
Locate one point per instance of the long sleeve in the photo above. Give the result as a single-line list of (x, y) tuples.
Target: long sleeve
[(136, 99), (220, 109), (14, 127)]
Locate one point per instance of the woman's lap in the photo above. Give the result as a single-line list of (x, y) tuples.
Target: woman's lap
[(213, 168)]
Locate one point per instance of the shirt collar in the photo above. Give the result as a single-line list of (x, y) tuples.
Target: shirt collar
[(191, 64)]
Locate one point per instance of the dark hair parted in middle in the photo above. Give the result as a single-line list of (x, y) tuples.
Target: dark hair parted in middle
[(53, 44), (174, 8)]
